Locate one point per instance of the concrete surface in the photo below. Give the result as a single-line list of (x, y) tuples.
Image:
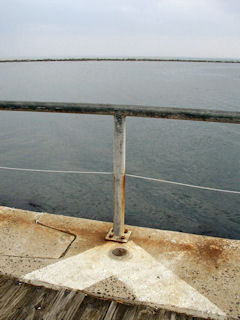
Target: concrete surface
[(195, 275), (21, 236)]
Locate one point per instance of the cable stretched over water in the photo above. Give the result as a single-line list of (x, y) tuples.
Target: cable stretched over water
[(55, 171), (182, 184), (128, 175)]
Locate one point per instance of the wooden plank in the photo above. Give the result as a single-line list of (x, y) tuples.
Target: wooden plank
[(9, 291), (130, 312), (92, 309), (31, 307), (64, 305), (147, 313), (111, 310), (144, 313), (73, 306), (24, 301), (123, 312), (2, 281), (50, 304), (16, 307), (40, 304), (28, 302), (6, 285)]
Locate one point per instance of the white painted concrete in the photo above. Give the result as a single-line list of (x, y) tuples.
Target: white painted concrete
[(148, 279)]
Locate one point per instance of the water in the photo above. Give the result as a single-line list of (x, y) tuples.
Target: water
[(205, 154)]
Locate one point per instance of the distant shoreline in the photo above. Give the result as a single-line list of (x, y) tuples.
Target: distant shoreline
[(120, 59)]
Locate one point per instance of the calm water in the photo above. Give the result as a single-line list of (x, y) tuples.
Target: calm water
[(206, 154)]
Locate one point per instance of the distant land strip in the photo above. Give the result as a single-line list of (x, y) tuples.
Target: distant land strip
[(121, 59)]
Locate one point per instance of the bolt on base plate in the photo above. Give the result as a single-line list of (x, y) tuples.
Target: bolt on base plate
[(124, 238)]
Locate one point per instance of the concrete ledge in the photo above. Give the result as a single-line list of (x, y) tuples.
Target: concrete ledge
[(191, 274)]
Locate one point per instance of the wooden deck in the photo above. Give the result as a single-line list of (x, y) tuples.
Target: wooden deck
[(21, 301)]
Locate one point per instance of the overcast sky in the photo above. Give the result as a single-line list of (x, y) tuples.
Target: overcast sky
[(162, 28)]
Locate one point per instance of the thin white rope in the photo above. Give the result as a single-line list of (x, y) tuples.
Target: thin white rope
[(128, 175), (55, 171), (183, 184)]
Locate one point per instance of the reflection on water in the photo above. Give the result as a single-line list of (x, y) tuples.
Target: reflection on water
[(199, 153)]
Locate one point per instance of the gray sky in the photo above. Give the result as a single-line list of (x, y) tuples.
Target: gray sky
[(163, 28)]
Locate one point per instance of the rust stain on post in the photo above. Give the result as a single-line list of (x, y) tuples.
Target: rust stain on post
[(123, 194), (119, 157), (123, 205)]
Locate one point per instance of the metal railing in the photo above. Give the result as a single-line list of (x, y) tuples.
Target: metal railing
[(120, 112)]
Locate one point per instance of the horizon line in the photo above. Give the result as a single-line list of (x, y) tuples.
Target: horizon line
[(134, 59)]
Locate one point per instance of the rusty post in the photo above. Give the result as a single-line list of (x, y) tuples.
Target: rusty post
[(119, 156), (118, 233)]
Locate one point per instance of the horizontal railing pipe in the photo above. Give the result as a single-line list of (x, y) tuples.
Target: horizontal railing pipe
[(120, 112), (125, 110)]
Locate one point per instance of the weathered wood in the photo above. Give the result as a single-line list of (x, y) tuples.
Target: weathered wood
[(124, 312), (73, 306), (41, 303), (63, 306), (5, 286), (144, 313), (2, 281), (10, 291), (22, 304), (92, 308), (111, 310), (20, 301)]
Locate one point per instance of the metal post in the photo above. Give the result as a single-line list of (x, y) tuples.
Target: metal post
[(119, 156), (118, 233)]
